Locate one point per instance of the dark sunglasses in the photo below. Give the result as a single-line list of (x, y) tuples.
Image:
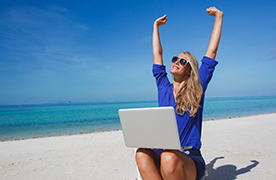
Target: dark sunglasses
[(182, 61)]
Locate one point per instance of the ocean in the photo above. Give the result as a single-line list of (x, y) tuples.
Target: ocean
[(33, 121)]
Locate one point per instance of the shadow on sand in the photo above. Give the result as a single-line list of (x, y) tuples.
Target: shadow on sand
[(226, 172)]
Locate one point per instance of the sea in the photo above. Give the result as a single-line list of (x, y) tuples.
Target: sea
[(43, 120)]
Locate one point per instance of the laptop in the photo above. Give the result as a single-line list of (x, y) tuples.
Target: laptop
[(150, 128)]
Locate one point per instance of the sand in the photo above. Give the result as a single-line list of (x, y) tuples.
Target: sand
[(237, 148)]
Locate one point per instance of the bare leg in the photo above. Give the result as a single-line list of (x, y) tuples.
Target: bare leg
[(148, 162), (177, 165)]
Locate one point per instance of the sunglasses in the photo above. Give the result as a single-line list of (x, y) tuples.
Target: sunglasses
[(182, 61)]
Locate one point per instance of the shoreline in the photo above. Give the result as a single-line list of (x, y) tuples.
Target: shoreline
[(235, 117), (220, 119), (236, 148)]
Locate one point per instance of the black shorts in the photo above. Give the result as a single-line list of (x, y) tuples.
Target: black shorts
[(196, 156)]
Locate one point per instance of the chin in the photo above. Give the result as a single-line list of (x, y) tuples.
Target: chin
[(173, 71)]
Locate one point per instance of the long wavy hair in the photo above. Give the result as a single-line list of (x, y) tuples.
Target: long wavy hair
[(189, 95)]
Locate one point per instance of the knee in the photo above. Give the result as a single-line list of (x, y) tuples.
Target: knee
[(170, 162), (142, 158)]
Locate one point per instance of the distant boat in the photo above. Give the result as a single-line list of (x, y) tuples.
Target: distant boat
[(69, 102)]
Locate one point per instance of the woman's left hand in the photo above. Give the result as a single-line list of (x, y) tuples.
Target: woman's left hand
[(161, 21)]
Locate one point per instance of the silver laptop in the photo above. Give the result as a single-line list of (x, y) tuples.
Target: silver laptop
[(150, 128)]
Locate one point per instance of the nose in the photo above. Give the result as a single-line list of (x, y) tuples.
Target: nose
[(177, 62)]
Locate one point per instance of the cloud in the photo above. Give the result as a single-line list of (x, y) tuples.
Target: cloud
[(29, 19), (32, 37), (145, 39), (272, 55), (56, 8), (37, 25)]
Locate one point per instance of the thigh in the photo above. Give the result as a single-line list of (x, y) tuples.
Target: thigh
[(199, 162), (200, 166)]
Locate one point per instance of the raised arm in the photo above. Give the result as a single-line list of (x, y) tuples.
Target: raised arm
[(156, 43), (215, 37)]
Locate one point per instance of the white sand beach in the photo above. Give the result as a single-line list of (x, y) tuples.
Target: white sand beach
[(238, 148)]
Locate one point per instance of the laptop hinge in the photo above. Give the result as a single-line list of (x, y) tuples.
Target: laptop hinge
[(186, 147)]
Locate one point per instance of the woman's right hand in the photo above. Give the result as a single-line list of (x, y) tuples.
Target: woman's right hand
[(161, 21), (213, 11), (215, 37)]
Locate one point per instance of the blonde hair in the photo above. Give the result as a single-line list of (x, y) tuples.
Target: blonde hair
[(189, 95)]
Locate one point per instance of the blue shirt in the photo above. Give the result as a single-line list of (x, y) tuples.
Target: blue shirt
[(189, 128)]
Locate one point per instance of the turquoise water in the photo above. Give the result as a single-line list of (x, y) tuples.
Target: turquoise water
[(218, 108), (30, 121)]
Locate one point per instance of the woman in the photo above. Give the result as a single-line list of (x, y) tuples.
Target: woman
[(186, 95)]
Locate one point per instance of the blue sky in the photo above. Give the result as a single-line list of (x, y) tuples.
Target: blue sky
[(94, 51)]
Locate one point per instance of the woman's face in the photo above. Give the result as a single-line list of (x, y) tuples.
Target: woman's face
[(179, 71)]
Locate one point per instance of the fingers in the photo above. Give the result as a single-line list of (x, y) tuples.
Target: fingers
[(213, 11), (162, 20), (165, 16), (211, 8)]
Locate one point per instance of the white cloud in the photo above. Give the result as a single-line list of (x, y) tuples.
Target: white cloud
[(272, 55), (41, 36)]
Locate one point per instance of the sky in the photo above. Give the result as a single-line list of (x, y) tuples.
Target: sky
[(101, 51)]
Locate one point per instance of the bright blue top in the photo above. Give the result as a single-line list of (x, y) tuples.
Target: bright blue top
[(189, 128)]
